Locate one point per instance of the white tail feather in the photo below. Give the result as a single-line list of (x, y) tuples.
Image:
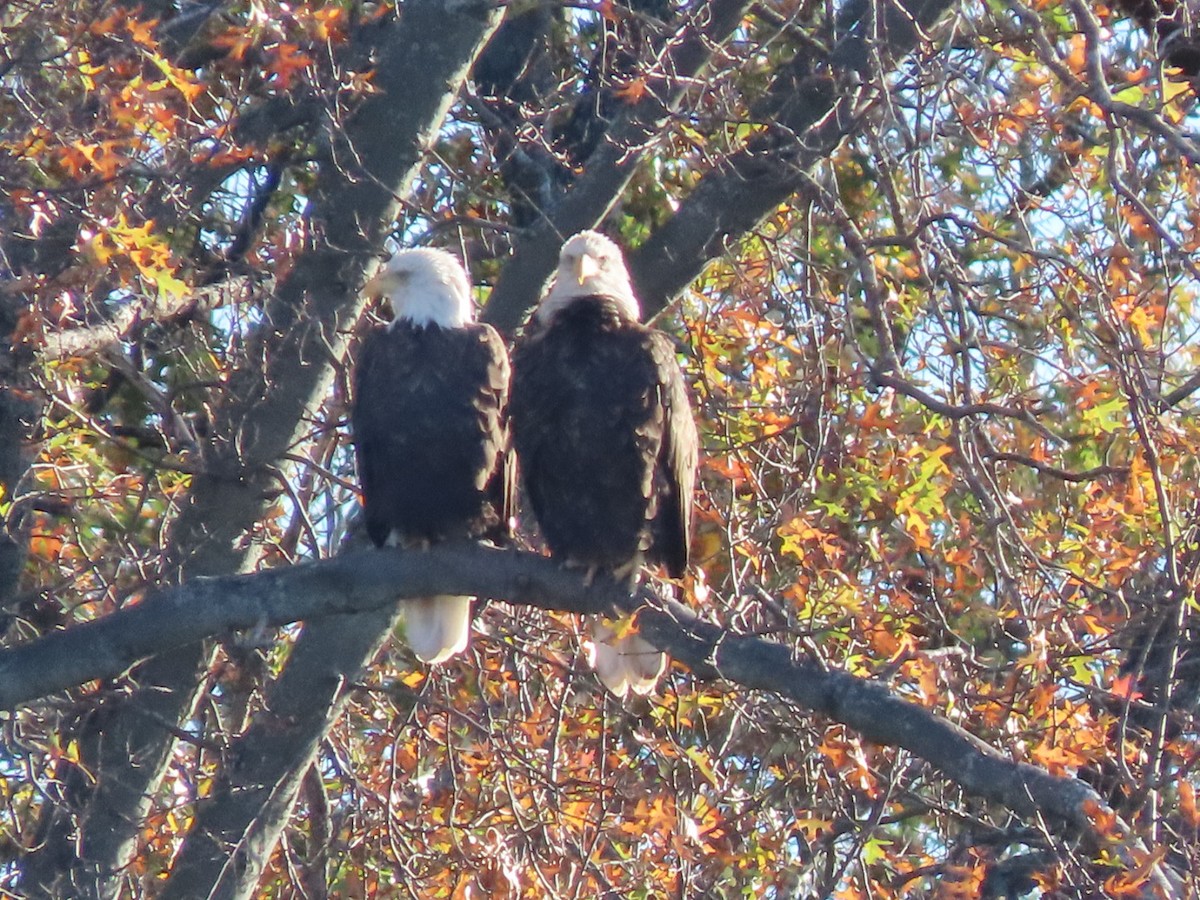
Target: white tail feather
[(644, 663), (623, 664), (604, 659), (436, 628)]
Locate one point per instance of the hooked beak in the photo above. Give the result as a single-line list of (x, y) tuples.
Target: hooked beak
[(376, 284), (383, 282), (587, 266)]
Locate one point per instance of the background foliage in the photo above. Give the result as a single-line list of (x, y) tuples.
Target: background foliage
[(933, 272)]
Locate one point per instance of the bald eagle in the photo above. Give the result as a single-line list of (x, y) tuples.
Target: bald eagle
[(430, 429), (605, 439)]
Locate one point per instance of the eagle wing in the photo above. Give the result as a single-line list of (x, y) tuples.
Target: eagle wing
[(431, 432), (370, 434), (605, 439), (677, 460)]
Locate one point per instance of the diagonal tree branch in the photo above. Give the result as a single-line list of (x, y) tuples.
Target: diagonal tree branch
[(370, 580), (613, 162), (808, 116), (805, 127), (234, 832), (18, 411), (238, 824), (286, 376)]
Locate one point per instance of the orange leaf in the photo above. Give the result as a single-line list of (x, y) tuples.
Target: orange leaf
[(1056, 759), (289, 59), (1104, 820), (1187, 803), (1128, 884), (142, 32), (46, 546), (1077, 59), (236, 42), (632, 91), (1126, 688), (107, 25), (961, 881), (331, 23)]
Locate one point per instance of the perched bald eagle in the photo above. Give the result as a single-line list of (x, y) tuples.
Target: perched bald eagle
[(605, 439), (430, 430)]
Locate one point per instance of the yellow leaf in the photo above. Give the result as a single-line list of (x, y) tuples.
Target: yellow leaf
[(177, 78), (703, 764)]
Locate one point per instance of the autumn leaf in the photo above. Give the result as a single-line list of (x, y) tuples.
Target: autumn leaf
[(1129, 883), (1125, 687), (961, 882), (286, 61), (980, 530), (331, 23), (176, 78), (1187, 804), (633, 90), (875, 850), (141, 30)]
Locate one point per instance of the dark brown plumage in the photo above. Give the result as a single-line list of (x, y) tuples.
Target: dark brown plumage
[(605, 437), (430, 438), (430, 430)]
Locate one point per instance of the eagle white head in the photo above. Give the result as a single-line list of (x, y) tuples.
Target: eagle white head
[(426, 287), (590, 264)]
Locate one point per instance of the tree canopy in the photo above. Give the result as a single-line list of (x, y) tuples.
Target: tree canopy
[(933, 272)]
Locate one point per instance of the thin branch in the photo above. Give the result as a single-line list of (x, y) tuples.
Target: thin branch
[(1180, 393), (1054, 471), (735, 196)]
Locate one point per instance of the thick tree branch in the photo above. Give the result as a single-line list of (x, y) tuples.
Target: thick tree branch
[(122, 320), (873, 711), (372, 579), (359, 581), (52, 250), (238, 824), (18, 411)]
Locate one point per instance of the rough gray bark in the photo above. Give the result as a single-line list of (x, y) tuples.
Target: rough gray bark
[(870, 709), (17, 411), (21, 256), (758, 181), (238, 825), (359, 581), (809, 115), (422, 62), (371, 579), (252, 807)]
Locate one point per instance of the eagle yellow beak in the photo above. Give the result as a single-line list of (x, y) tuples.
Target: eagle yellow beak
[(384, 281), (586, 267), (376, 284)]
